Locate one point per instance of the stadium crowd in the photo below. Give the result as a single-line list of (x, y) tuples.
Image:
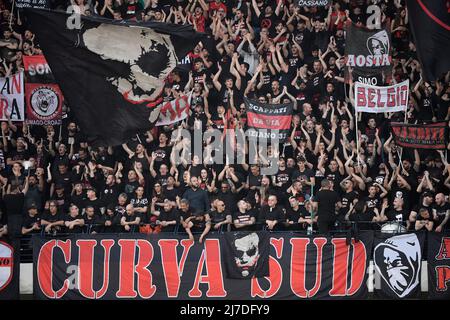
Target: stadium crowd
[(271, 51)]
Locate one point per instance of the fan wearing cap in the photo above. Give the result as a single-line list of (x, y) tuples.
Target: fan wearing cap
[(426, 203), (60, 198), (32, 220), (93, 201)]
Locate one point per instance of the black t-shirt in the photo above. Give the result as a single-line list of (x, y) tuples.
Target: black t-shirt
[(162, 155), (273, 214), (217, 217), (47, 216), (441, 211), (14, 203), (294, 215), (97, 204), (171, 194), (28, 221), (327, 200), (397, 215), (243, 217), (347, 200), (76, 229), (373, 203), (168, 215)]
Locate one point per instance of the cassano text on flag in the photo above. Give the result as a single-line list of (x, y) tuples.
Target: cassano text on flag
[(375, 99), (111, 73), (424, 136), (12, 96), (398, 261), (174, 111), (246, 254), (367, 51), (430, 25), (268, 121)]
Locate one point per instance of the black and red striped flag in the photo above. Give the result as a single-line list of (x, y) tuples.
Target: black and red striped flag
[(421, 136), (269, 121), (430, 25)]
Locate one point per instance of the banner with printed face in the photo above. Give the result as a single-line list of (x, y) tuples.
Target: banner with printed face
[(374, 99), (9, 269), (438, 266), (139, 266), (268, 121), (422, 136), (367, 51), (44, 104), (398, 263), (246, 255), (173, 111), (12, 97)]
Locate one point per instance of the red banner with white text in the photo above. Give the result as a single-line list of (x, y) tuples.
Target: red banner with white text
[(139, 266)]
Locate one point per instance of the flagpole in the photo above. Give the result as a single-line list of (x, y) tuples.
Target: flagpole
[(405, 120), (357, 138), (12, 13)]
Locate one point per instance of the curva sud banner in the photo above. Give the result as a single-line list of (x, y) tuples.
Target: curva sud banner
[(268, 121), (438, 266), (375, 99), (156, 267), (367, 52)]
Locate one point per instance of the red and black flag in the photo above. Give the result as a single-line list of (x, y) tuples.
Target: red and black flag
[(421, 136), (430, 24), (111, 73), (438, 265), (268, 121)]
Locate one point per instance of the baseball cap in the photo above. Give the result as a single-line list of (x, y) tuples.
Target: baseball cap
[(428, 194), (32, 206)]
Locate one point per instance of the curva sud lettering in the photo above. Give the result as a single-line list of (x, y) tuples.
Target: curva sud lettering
[(113, 268)]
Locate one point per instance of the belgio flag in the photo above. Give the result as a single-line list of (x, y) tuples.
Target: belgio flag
[(111, 73), (430, 24)]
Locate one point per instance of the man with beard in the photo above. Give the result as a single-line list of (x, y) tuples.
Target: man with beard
[(130, 220), (441, 212), (220, 216), (168, 217), (110, 191), (398, 212), (198, 198)]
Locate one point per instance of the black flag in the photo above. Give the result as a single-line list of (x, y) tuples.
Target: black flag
[(111, 73), (246, 254), (430, 25)]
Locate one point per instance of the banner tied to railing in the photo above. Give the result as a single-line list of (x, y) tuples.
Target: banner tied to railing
[(159, 267)]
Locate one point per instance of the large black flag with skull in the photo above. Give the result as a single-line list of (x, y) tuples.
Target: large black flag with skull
[(111, 73)]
